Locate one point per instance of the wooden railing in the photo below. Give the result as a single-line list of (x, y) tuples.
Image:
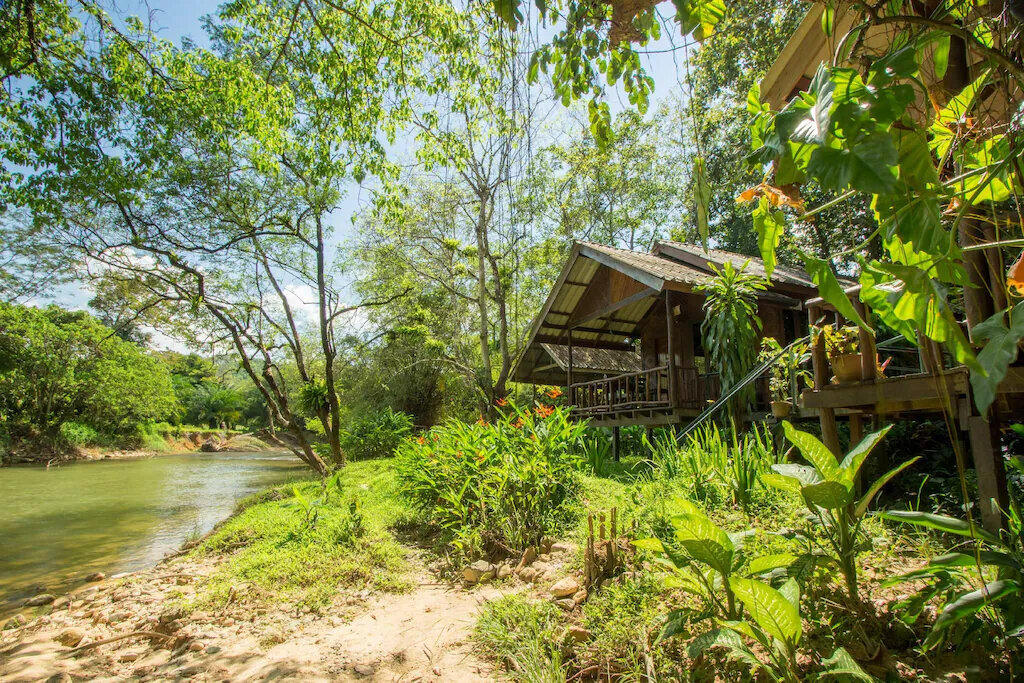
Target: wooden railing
[(647, 389)]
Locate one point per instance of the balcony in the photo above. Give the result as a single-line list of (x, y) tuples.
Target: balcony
[(647, 390)]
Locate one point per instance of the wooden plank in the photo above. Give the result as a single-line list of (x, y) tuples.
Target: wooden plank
[(671, 349), (642, 276), (589, 343), (892, 390), (988, 464), (611, 307)]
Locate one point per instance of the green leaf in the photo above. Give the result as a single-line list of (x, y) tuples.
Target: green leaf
[(652, 544), (769, 225), (767, 563), (828, 20), (704, 541), (940, 55), (815, 128), (1001, 349), (862, 504), (723, 637), (814, 451), (842, 665), (830, 495), (802, 474), (867, 165), (769, 609), (987, 557), (509, 12), (783, 483), (969, 604), (830, 290), (790, 590), (702, 192), (677, 621), (855, 458), (950, 525)]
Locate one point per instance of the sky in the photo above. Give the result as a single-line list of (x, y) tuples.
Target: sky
[(175, 20)]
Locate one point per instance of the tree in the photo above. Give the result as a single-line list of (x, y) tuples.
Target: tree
[(60, 366)]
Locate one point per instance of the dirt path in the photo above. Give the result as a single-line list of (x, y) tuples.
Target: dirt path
[(421, 635)]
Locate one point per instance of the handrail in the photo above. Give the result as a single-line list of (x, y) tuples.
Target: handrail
[(622, 376), (751, 376)]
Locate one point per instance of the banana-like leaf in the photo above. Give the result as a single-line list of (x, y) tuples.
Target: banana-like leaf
[(814, 451), (704, 541), (951, 525), (781, 482), (802, 473), (969, 604), (842, 665), (865, 500), (855, 458), (769, 609), (987, 557), (652, 544), (686, 581), (766, 563), (723, 637), (791, 591), (830, 495)]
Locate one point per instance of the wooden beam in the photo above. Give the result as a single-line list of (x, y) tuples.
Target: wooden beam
[(588, 343), (615, 306), (671, 350), (910, 390), (988, 464), (638, 274)]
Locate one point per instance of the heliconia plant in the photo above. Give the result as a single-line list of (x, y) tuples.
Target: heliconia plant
[(510, 478), (829, 489)]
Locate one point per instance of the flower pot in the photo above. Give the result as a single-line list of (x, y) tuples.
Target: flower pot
[(847, 368), (781, 409)]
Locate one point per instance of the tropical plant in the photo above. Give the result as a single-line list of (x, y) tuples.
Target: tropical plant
[(773, 623), (839, 341), (506, 482), (978, 585), (375, 434), (730, 328), (309, 507), (829, 490), (787, 372), (703, 559)]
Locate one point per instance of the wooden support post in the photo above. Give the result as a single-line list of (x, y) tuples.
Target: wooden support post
[(616, 444), (869, 353), (988, 464), (572, 398), (671, 350), (827, 416)]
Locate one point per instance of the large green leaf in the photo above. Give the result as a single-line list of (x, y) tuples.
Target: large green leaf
[(969, 604), (704, 541), (769, 609), (815, 128), (855, 458), (830, 495), (986, 557), (723, 637), (814, 451), (865, 500), (770, 225), (767, 563), (790, 590), (1001, 349), (699, 16), (841, 665), (868, 165), (803, 474), (830, 290), (950, 525)]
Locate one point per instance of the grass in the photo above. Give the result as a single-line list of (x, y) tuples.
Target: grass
[(525, 637), (277, 555)]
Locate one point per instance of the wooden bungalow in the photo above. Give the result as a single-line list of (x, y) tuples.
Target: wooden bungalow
[(645, 306)]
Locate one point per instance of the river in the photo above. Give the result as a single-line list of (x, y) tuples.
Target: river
[(61, 524)]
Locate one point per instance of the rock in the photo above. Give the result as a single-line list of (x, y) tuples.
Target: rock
[(96, 576), (40, 600), (363, 669), (189, 671), (118, 617), (580, 596), (529, 555), (17, 621), (504, 571), (562, 547), (174, 626), (213, 649), (195, 646), (544, 557), (478, 572), (129, 657), (62, 677), (70, 637), (171, 614), (182, 581), (528, 574), (579, 634), (565, 603), (565, 588), (211, 445), (62, 602), (546, 543)]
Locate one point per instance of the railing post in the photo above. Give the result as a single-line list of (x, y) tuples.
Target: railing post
[(572, 398), (671, 350)]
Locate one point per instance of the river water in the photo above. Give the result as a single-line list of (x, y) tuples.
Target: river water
[(61, 524)]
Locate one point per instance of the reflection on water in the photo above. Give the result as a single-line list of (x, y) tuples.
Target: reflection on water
[(59, 525)]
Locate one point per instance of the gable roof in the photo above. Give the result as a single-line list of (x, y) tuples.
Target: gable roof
[(606, 361), (647, 267)]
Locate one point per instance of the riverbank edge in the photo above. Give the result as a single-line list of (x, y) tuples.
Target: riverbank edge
[(208, 441)]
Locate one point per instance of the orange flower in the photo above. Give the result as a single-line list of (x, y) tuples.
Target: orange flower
[(501, 402), (543, 411), (458, 454), (533, 437), (480, 456), (482, 422), (421, 441), (518, 423), (554, 392)]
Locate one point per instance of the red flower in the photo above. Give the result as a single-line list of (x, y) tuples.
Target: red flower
[(501, 402), (554, 392), (518, 423), (544, 411)]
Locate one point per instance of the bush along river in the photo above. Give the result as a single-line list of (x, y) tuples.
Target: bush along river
[(62, 524)]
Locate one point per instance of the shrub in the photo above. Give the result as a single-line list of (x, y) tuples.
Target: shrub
[(375, 435), (506, 484), (77, 435)]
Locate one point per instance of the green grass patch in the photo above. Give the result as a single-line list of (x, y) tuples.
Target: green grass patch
[(279, 554), (525, 637)]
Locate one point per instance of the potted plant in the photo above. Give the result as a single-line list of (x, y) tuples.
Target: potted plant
[(843, 349), (784, 373)]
